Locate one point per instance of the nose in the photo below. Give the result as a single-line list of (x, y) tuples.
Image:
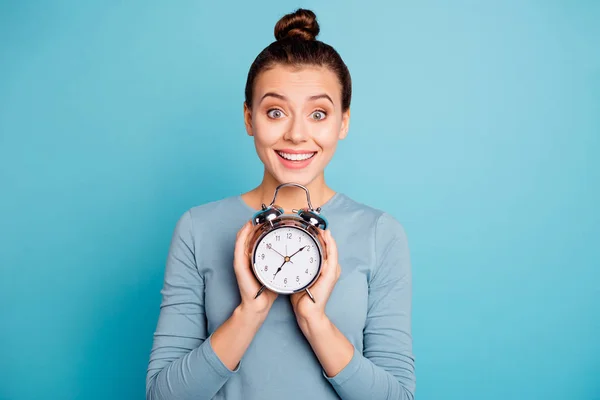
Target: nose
[(297, 131)]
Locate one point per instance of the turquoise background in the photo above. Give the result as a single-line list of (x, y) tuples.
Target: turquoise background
[(476, 124)]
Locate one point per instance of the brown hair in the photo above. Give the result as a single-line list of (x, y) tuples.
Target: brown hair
[(296, 45)]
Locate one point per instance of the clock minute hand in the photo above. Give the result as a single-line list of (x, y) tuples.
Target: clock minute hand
[(299, 250), (287, 259)]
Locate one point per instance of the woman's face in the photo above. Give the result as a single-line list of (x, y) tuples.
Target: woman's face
[(296, 121)]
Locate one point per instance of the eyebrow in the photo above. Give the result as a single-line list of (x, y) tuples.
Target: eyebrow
[(282, 97)]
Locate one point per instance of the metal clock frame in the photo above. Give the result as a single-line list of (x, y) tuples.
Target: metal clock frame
[(297, 221)]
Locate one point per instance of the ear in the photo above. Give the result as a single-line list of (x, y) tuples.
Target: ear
[(345, 125), (248, 119)]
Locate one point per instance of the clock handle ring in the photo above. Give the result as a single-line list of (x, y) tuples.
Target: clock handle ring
[(296, 185)]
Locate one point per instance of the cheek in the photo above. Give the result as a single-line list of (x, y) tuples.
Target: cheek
[(326, 136), (266, 135)]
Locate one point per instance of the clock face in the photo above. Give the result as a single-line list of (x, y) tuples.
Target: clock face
[(287, 259)]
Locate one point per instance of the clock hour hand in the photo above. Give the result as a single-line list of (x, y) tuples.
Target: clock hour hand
[(281, 266)]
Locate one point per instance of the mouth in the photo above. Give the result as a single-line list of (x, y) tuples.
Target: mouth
[(295, 157), (295, 160)]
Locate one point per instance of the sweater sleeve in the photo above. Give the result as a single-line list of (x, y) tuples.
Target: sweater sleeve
[(183, 364), (385, 369)]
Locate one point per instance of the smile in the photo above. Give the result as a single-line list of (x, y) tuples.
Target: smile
[(295, 156)]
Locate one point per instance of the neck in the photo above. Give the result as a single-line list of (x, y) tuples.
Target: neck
[(289, 197)]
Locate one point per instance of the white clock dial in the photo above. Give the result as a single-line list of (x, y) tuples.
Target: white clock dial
[(287, 259)]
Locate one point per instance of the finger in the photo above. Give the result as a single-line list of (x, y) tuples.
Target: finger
[(241, 264), (244, 228), (328, 270), (332, 251), (240, 255), (331, 265)]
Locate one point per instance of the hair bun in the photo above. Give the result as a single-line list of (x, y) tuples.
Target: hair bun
[(301, 24)]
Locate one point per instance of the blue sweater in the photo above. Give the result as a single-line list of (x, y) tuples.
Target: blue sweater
[(370, 305)]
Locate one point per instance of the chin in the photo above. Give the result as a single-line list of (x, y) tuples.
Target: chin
[(302, 178), (282, 174)]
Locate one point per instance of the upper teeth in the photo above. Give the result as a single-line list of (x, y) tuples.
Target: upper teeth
[(295, 157)]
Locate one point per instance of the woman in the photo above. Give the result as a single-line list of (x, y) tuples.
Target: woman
[(214, 339)]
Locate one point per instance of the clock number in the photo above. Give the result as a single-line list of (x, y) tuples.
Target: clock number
[(289, 235), (299, 238), (297, 279), (268, 245), (306, 270), (285, 280), (277, 238), (266, 267), (262, 256), (311, 260)]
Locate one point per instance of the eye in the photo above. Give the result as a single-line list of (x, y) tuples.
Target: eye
[(320, 115), (275, 113)]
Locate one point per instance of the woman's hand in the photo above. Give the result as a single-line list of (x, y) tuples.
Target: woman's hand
[(231, 340), (247, 282), (306, 311)]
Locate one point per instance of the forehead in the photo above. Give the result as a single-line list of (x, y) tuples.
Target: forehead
[(297, 83)]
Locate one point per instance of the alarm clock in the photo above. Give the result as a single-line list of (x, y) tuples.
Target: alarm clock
[(287, 251)]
